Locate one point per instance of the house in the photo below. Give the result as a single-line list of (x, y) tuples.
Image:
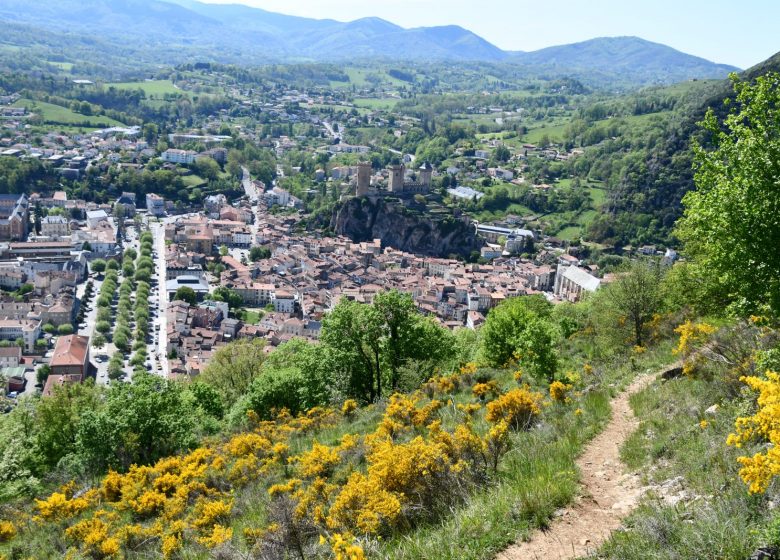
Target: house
[(94, 217), (71, 356), (55, 227), (155, 204), (27, 330), (284, 302), (124, 206), (10, 356)]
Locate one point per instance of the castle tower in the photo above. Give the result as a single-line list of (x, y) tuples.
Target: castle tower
[(426, 170), (397, 173), (363, 178)]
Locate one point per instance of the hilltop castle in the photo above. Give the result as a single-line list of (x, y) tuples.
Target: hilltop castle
[(397, 183)]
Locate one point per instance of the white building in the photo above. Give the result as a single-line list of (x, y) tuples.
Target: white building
[(173, 155), (155, 204), (284, 302), (94, 217), (571, 282), (55, 226), (26, 329)]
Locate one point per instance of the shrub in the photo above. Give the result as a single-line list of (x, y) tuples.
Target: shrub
[(517, 408)]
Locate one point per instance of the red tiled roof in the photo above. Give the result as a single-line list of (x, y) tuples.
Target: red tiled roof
[(71, 350)]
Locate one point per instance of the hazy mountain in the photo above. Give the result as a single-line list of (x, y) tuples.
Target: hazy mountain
[(626, 55), (238, 33)]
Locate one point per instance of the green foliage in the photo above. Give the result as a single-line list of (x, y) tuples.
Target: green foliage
[(65, 328), (187, 294), (233, 367), (371, 343), (520, 328), (730, 221), (258, 253)]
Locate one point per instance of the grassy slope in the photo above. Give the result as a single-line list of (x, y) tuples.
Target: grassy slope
[(722, 520), (535, 477), (62, 115), (157, 88)]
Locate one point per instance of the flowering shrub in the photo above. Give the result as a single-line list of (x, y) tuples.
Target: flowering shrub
[(759, 470), (349, 407), (343, 547), (7, 531), (483, 390), (691, 335), (559, 391), (219, 535), (517, 408), (319, 461)]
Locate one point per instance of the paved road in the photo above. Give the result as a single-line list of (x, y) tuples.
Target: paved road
[(332, 133), (249, 187), (161, 334)]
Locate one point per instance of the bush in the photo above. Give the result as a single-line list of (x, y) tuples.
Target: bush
[(517, 408)]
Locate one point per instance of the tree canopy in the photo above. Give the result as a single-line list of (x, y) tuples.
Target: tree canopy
[(731, 223)]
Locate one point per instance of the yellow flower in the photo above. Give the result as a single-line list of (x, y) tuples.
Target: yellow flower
[(517, 407), (578, 412), (703, 424), (559, 391)]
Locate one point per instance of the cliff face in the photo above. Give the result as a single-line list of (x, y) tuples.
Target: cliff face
[(365, 219)]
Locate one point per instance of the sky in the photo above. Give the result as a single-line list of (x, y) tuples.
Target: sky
[(740, 33)]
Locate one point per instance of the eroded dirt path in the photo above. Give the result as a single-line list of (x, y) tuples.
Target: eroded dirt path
[(607, 495)]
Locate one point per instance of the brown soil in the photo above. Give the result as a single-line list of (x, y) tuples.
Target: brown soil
[(607, 494)]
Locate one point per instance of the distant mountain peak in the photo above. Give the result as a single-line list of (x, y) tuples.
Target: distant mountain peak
[(230, 32)]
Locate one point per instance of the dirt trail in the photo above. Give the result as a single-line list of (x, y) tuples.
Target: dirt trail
[(607, 494)]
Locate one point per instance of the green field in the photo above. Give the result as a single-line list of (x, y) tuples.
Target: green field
[(62, 115), (66, 66), (192, 181), (598, 195), (156, 88), (535, 135), (371, 103), (357, 77)]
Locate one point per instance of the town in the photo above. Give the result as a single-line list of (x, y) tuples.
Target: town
[(243, 263)]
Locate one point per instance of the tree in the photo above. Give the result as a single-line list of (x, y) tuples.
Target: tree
[(103, 327), (42, 374), (48, 328), (112, 265), (98, 341), (258, 253), (231, 297), (520, 327), (636, 296), (730, 221), (98, 266), (371, 344), (233, 367), (223, 251), (185, 293), (139, 423), (65, 329)]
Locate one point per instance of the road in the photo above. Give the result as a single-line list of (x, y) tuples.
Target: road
[(88, 328), (161, 334), (332, 133), (249, 187)]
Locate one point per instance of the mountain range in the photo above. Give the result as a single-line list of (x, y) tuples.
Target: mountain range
[(234, 32)]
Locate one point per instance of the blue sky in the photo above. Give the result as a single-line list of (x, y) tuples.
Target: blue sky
[(741, 33)]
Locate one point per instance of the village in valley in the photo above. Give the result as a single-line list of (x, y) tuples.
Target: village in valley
[(238, 257)]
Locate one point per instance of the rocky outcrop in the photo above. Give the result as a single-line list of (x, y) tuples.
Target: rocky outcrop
[(404, 227)]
